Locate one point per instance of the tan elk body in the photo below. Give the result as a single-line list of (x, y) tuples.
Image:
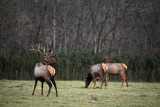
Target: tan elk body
[(113, 69)]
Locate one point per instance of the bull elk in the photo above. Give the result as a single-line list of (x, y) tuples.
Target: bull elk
[(47, 55), (44, 72)]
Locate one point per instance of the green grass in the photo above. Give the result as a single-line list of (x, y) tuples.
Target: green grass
[(72, 93)]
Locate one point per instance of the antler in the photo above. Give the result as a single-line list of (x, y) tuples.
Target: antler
[(38, 50), (41, 48)]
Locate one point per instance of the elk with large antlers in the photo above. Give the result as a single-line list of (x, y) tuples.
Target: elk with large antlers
[(44, 72), (46, 55)]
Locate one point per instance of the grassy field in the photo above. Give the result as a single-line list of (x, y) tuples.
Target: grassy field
[(72, 93)]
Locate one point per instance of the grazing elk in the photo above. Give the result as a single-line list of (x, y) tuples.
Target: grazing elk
[(44, 72), (113, 69)]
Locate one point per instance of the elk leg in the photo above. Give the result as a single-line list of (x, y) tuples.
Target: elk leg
[(126, 81), (42, 88), (54, 83), (123, 81), (107, 79), (36, 80), (123, 77), (106, 84), (104, 80), (101, 84), (101, 76), (50, 86), (94, 80)]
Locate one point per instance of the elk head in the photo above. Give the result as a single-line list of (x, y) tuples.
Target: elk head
[(107, 60), (47, 55)]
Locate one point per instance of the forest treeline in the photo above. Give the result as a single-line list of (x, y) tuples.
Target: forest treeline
[(81, 33), (17, 64), (114, 27)]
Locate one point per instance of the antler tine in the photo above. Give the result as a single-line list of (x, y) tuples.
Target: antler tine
[(39, 46), (47, 50), (44, 50), (33, 49), (41, 49), (51, 54), (37, 50)]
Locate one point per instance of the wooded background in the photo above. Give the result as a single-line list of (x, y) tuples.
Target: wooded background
[(81, 33)]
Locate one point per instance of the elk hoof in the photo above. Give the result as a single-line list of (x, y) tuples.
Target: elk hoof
[(57, 95)]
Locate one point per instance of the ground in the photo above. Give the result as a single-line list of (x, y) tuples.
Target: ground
[(14, 93)]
